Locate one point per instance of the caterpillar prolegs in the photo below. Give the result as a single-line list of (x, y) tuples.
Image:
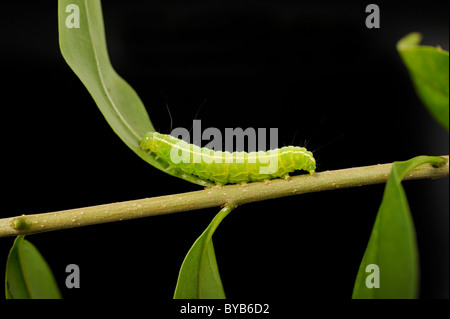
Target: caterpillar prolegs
[(225, 167)]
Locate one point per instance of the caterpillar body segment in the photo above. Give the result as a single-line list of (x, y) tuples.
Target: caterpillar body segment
[(225, 167)]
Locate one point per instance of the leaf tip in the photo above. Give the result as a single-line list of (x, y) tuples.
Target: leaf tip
[(409, 41)]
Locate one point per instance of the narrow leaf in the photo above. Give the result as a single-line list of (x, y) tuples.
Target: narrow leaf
[(83, 46), (199, 274), (28, 275), (429, 70), (391, 257)]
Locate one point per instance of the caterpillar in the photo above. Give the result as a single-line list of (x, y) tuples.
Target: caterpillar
[(225, 167)]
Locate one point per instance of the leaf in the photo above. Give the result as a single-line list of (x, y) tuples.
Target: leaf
[(429, 70), (28, 275), (392, 245), (199, 274), (85, 51)]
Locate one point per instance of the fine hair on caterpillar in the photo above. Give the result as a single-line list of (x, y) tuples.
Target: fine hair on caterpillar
[(222, 167)]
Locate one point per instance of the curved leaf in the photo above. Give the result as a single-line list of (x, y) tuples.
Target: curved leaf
[(199, 274), (84, 49), (28, 275), (392, 245), (429, 70)]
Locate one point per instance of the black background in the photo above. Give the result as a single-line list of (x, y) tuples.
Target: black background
[(314, 71)]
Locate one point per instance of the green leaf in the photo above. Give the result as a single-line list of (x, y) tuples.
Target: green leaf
[(392, 245), (28, 275), (429, 70), (199, 275), (85, 51)]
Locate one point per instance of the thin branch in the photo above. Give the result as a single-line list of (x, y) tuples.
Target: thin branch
[(214, 197)]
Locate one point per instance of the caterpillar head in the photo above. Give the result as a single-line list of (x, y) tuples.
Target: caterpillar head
[(148, 142)]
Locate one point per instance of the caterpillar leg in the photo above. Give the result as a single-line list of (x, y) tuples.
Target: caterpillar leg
[(218, 185), (243, 184), (171, 168), (174, 170), (267, 182), (287, 177)]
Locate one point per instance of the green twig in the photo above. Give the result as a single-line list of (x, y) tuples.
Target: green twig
[(213, 197)]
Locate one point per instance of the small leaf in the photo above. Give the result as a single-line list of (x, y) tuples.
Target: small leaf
[(85, 51), (28, 275), (392, 245), (429, 70), (199, 274)]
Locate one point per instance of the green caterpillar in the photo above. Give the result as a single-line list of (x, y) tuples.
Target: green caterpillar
[(225, 167)]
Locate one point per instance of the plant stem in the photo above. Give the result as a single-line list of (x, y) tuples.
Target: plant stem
[(213, 197)]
